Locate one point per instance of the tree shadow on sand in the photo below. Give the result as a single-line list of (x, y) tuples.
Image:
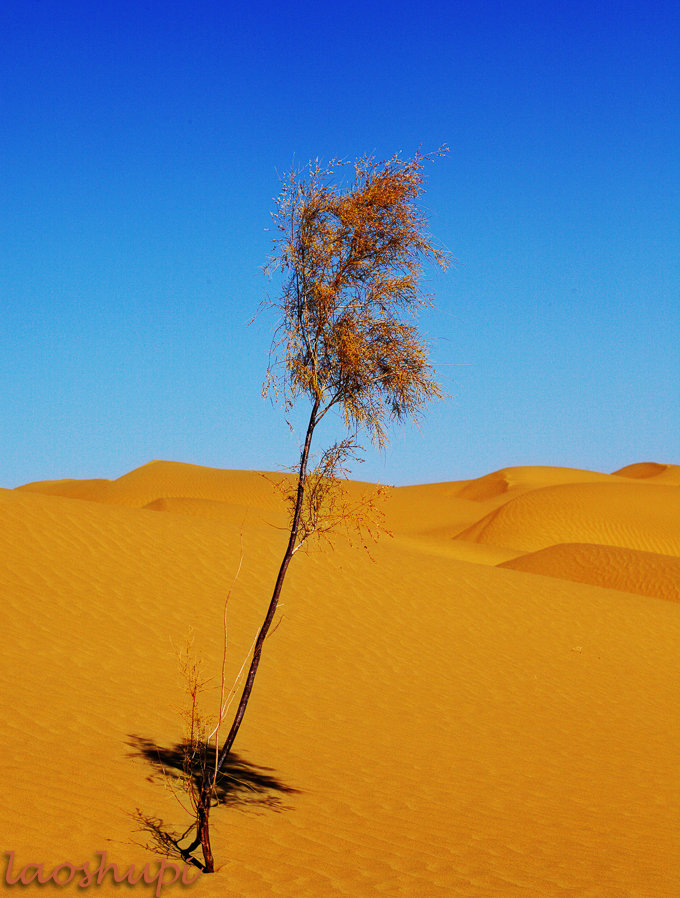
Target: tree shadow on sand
[(239, 784)]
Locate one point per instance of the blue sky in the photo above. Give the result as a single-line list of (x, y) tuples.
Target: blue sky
[(139, 158)]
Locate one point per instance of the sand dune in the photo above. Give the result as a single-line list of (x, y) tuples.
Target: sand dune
[(632, 515), (652, 472), (166, 480), (629, 570), (509, 482), (450, 727)]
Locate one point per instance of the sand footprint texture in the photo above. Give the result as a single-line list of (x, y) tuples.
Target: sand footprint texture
[(487, 709)]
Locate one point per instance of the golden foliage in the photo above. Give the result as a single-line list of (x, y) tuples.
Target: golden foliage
[(352, 261), (326, 507)]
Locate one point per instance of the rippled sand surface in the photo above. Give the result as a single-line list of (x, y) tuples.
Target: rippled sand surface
[(489, 708)]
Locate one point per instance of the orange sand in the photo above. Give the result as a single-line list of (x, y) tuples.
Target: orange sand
[(451, 727), (644, 573)]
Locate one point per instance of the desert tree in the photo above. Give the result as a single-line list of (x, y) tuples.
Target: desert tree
[(351, 259)]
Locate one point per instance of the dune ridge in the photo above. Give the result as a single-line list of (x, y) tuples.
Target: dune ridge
[(509, 482), (167, 480)]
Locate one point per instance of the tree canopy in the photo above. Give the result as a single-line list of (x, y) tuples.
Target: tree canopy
[(352, 262)]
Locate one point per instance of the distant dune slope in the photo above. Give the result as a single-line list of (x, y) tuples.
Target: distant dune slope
[(632, 515), (652, 472), (166, 479), (629, 570), (509, 482), (431, 510)]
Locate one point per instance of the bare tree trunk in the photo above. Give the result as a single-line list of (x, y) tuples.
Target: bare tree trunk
[(202, 837), (247, 689), (204, 833)]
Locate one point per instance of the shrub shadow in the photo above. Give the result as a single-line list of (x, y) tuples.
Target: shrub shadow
[(239, 784)]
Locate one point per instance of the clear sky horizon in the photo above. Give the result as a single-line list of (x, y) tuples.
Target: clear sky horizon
[(140, 152)]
